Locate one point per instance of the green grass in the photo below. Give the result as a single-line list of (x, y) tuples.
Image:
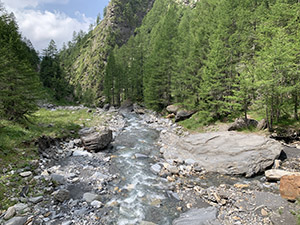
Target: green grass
[(17, 142), (197, 121), (57, 124)]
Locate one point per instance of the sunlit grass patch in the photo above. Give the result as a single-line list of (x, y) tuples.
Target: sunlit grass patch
[(18, 142)]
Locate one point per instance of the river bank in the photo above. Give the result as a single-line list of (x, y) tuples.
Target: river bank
[(132, 183)]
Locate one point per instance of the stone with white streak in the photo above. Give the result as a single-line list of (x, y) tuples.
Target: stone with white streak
[(276, 174)]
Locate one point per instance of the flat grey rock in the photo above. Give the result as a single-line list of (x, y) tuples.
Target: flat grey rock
[(204, 216), (96, 204), (173, 169), (11, 211), (82, 153), (147, 223), (17, 221), (58, 178), (99, 175), (276, 174), (61, 195), (189, 161), (155, 168), (26, 174), (86, 131), (229, 153), (36, 200), (90, 197), (67, 223), (20, 207), (140, 156)]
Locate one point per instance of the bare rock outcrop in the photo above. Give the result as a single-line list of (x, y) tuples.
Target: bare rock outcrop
[(229, 153)]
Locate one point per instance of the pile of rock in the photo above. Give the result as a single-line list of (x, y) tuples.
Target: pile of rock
[(69, 183), (242, 123)]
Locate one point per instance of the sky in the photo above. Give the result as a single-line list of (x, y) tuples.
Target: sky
[(43, 20)]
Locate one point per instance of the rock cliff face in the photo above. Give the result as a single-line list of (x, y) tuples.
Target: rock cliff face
[(121, 19)]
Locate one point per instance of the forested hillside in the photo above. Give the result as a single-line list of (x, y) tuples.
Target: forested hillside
[(221, 58), (20, 85), (84, 59)]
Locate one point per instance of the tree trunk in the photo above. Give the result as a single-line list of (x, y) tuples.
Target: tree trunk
[(272, 114), (245, 110), (296, 105)]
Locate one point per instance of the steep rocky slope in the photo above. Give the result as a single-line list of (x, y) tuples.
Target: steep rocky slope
[(87, 69)]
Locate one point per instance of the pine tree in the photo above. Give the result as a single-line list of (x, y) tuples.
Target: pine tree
[(159, 66), (218, 73), (51, 73), (182, 85), (113, 80), (108, 79), (276, 63), (19, 86)]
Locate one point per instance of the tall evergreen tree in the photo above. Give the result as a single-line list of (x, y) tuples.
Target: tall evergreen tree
[(160, 63), (19, 86), (51, 73), (113, 80)]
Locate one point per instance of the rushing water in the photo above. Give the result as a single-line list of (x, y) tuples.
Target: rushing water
[(143, 196)]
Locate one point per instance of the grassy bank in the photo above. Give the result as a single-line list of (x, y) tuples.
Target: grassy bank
[(200, 122), (17, 143)]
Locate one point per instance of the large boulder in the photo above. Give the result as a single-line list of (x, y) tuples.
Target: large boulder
[(262, 125), (97, 141), (61, 195), (229, 153), (242, 123), (106, 107), (290, 187), (138, 109), (183, 115), (45, 142), (172, 109), (126, 106)]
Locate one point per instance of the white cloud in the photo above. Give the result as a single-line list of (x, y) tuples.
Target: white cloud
[(42, 26), (21, 4)]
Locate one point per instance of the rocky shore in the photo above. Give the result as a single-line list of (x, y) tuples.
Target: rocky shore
[(76, 186)]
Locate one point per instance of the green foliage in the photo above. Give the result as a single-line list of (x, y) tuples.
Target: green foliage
[(200, 119), (14, 135), (159, 66), (113, 81), (222, 58), (19, 86), (51, 73)]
